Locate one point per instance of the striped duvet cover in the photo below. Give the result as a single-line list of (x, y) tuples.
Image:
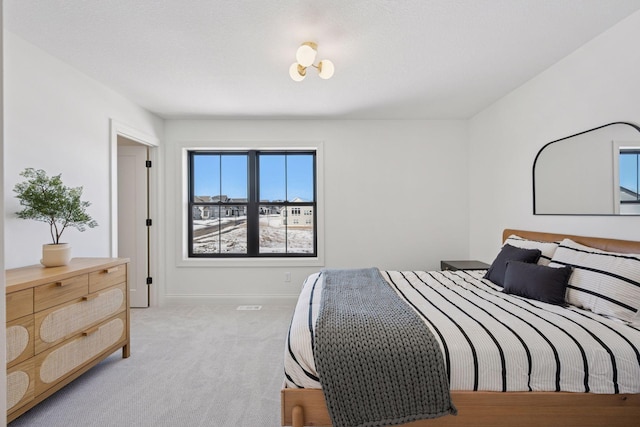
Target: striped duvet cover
[(492, 341)]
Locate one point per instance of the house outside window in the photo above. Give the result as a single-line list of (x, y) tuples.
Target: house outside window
[(241, 203)]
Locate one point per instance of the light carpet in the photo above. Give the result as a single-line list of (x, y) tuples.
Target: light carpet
[(198, 365)]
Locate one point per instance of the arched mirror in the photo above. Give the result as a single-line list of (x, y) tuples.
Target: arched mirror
[(595, 172)]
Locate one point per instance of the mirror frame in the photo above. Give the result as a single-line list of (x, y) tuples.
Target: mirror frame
[(533, 172)]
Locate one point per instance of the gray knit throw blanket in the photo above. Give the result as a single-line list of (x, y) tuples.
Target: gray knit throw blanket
[(378, 363)]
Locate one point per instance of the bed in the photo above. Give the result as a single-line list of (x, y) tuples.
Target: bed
[(573, 397)]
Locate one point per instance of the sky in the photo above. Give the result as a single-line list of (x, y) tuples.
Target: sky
[(629, 171), (282, 176)]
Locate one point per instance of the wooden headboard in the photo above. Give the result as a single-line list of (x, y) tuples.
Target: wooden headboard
[(611, 245)]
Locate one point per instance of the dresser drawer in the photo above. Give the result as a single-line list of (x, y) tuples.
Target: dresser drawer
[(61, 322), (60, 361), (20, 340), (19, 304), (52, 294), (20, 385), (107, 277)]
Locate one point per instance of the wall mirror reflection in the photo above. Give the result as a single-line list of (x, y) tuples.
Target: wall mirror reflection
[(595, 172)]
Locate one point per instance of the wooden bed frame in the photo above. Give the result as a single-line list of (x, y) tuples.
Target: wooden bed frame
[(307, 407)]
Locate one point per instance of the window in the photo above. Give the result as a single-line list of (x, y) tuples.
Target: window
[(629, 177), (248, 203)]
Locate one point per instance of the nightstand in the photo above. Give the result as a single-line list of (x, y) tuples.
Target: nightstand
[(463, 265)]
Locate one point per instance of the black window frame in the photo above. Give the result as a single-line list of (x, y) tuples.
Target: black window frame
[(253, 204)]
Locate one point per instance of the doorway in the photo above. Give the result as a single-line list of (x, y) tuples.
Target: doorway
[(134, 217)]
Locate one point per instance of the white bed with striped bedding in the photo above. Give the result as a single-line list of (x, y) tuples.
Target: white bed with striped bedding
[(492, 341)]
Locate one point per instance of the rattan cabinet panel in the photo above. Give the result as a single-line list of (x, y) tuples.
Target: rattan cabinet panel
[(61, 321), (20, 340), (57, 363), (65, 320), (20, 385)]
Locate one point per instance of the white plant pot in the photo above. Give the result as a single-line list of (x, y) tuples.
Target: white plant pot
[(55, 255)]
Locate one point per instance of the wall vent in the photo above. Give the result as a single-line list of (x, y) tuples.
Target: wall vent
[(249, 307)]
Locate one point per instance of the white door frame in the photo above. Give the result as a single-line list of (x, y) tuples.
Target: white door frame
[(126, 131)]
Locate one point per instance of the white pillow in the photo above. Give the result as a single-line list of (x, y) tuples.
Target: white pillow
[(606, 283), (547, 249)]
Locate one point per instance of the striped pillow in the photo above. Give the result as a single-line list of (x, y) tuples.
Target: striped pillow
[(547, 249), (606, 283)]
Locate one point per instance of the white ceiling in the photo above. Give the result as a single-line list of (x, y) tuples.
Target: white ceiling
[(433, 59)]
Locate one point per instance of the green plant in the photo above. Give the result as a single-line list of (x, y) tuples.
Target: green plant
[(48, 200)]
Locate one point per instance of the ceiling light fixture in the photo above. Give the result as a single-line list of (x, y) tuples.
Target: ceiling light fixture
[(305, 56)]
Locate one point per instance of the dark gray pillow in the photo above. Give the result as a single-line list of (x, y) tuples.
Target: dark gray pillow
[(509, 253), (539, 282)]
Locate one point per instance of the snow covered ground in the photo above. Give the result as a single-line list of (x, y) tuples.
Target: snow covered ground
[(232, 237)]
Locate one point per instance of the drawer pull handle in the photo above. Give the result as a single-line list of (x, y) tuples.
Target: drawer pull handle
[(60, 284), (111, 270), (90, 297), (90, 331)]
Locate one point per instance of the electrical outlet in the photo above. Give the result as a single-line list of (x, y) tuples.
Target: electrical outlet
[(287, 276)]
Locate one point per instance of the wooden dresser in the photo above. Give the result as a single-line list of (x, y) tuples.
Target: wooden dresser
[(61, 321)]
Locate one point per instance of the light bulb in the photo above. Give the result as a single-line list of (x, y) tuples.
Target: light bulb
[(305, 55), (295, 73), (326, 69)]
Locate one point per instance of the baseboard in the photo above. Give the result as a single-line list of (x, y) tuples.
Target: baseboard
[(289, 300)]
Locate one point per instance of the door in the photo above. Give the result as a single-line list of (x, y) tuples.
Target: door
[(133, 212)]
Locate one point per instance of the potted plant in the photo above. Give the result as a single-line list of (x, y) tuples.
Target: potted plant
[(48, 200)]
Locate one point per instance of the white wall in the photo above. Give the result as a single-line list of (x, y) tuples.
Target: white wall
[(57, 119), (395, 197), (595, 85)]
